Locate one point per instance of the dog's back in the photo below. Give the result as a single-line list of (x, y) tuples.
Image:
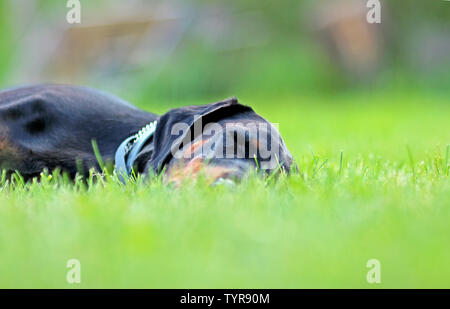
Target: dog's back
[(49, 126)]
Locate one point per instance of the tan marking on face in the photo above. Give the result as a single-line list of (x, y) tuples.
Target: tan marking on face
[(193, 147), (195, 168), (255, 142)]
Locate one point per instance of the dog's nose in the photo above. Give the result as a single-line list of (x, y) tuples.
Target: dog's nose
[(256, 143)]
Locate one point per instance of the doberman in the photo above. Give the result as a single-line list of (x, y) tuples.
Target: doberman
[(44, 127)]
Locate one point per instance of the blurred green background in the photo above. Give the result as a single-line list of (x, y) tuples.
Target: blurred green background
[(362, 107), (169, 51)]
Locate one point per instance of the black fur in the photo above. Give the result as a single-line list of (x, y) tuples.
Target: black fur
[(50, 126)]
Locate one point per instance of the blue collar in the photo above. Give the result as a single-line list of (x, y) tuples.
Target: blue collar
[(127, 152)]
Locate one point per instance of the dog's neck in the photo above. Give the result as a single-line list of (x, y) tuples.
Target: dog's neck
[(128, 151)]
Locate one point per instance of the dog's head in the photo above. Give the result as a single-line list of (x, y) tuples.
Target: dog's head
[(224, 140)]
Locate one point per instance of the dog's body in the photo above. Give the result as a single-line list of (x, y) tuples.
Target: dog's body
[(53, 126)]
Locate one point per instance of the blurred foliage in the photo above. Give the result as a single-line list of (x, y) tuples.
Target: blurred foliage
[(6, 39), (201, 72), (289, 60), (292, 61)]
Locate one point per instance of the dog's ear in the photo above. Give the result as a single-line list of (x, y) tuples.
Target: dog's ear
[(167, 136)]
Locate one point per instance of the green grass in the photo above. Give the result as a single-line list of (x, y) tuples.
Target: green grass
[(374, 183)]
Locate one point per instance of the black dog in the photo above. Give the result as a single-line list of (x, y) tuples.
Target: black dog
[(54, 126)]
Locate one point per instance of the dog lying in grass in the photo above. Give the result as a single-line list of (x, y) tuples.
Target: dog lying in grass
[(73, 128)]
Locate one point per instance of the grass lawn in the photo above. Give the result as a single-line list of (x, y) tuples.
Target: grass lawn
[(374, 183)]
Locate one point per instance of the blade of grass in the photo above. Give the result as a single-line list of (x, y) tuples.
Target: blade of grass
[(98, 155)]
